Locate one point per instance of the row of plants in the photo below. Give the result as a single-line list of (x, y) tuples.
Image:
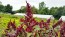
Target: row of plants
[(28, 27)]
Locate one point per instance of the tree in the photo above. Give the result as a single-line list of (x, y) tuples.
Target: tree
[(41, 5), (1, 8), (34, 10), (42, 8), (8, 8), (46, 11), (53, 10), (63, 13), (22, 9), (59, 12)]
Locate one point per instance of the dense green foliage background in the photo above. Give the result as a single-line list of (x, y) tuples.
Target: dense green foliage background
[(57, 12)]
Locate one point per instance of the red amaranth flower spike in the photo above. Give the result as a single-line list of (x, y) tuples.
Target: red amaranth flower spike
[(20, 29), (46, 25), (29, 29), (41, 24), (58, 23), (29, 14), (56, 34), (11, 24), (27, 18), (62, 26), (21, 20), (32, 22), (62, 30), (48, 21)]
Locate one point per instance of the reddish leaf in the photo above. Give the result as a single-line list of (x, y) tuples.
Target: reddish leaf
[(29, 29)]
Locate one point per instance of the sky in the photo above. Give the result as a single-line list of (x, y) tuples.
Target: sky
[(18, 3)]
